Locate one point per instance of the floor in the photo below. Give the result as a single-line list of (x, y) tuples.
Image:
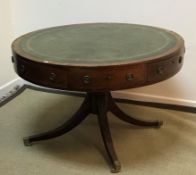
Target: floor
[(170, 150)]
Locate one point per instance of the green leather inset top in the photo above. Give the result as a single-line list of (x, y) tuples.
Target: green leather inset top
[(96, 43)]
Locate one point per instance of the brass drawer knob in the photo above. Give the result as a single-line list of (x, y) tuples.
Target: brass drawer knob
[(22, 68), (86, 79), (160, 70), (129, 76), (108, 77), (12, 59), (52, 76), (180, 60)]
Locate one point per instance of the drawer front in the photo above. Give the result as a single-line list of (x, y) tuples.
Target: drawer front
[(106, 79), (164, 69), (97, 78), (42, 74)]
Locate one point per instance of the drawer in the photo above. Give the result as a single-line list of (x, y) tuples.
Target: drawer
[(106, 78), (42, 74), (163, 69)]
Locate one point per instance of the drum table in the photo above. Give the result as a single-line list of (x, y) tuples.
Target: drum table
[(97, 58)]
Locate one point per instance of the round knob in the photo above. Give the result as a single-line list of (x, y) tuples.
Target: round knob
[(86, 79), (12, 59), (52, 76), (180, 60), (108, 77), (129, 76), (22, 68), (160, 70)]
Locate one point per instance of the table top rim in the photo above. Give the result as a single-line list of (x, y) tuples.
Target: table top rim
[(177, 48)]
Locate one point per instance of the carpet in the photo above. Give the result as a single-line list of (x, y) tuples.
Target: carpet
[(170, 150)]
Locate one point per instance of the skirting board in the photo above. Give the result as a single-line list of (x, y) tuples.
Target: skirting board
[(153, 98), (11, 88), (18, 84)]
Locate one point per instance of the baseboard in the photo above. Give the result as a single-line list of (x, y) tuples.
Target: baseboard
[(153, 98), (18, 84), (127, 95), (50, 90), (9, 89)]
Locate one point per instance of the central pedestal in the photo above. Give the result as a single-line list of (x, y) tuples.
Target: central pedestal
[(98, 103)]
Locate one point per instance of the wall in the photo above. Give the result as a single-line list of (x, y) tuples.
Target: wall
[(180, 16), (6, 70)]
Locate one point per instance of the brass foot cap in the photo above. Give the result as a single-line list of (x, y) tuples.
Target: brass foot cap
[(116, 167), (27, 142), (159, 124)]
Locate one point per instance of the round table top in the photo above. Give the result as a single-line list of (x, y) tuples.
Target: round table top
[(96, 44), (98, 56)]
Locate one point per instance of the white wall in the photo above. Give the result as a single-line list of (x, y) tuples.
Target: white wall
[(6, 70), (180, 16)]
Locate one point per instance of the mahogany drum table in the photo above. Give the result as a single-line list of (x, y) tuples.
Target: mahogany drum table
[(97, 58)]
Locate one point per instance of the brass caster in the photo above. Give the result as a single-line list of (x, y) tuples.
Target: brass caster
[(116, 168), (160, 123), (27, 142)]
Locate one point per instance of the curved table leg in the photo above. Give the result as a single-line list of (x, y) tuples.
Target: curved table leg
[(106, 135), (123, 116), (77, 118)]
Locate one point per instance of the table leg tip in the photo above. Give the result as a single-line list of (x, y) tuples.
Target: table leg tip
[(27, 142), (159, 124), (116, 168)]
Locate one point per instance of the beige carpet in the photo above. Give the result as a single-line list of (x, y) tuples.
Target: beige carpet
[(170, 150)]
